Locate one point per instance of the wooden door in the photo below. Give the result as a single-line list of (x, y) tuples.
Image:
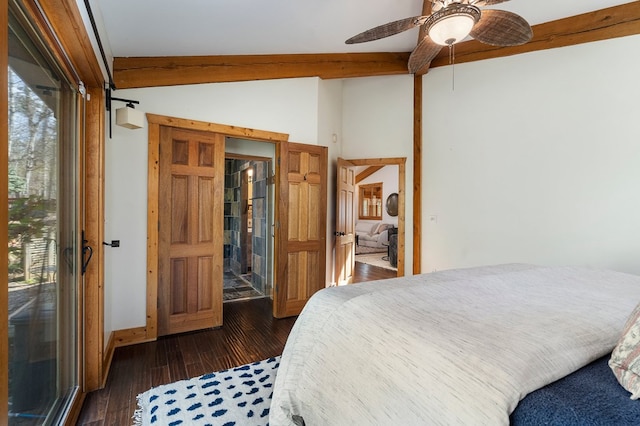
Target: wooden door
[(301, 247), (191, 233), (345, 222)]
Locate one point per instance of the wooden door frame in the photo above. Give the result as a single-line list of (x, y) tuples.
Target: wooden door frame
[(401, 163), (150, 331)]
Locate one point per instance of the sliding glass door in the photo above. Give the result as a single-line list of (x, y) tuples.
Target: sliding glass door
[(44, 270)]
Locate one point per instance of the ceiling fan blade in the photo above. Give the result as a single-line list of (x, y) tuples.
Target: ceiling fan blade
[(423, 54), (502, 28), (482, 3), (388, 29)]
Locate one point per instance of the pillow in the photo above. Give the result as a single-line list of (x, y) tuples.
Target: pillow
[(374, 229), (383, 227), (625, 358)]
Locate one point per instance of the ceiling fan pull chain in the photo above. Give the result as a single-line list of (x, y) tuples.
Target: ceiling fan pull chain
[(452, 59)]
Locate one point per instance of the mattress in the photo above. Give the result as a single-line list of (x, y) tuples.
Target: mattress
[(453, 347)]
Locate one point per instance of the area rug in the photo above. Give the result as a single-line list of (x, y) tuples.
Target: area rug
[(239, 396), (366, 250), (375, 259)]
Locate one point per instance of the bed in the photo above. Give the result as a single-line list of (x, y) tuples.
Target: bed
[(588, 396), (454, 347)]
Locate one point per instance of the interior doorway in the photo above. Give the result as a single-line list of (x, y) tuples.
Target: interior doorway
[(248, 211), (370, 218), (376, 215), (297, 225)]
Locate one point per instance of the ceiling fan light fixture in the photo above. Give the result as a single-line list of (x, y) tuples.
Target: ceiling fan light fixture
[(452, 24)]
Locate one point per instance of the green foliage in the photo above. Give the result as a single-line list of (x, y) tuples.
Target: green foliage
[(17, 184), (32, 149), (28, 219)]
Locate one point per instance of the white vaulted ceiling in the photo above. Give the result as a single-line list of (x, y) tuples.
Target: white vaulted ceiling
[(250, 27)]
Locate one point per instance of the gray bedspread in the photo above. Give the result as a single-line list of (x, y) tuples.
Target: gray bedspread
[(452, 347)]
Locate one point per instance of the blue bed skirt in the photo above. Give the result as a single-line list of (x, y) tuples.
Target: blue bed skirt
[(591, 396)]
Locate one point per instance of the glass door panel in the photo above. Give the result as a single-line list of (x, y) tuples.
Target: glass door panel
[(43, 237)]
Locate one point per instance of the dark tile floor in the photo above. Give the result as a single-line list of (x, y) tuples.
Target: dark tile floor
[(238, 288)]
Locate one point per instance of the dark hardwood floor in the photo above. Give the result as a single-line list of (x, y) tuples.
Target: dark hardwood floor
[(250, 333), (364, 272)]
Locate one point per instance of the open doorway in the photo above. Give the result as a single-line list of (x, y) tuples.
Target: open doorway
[(376, 215), (370, 218), (248, 213)]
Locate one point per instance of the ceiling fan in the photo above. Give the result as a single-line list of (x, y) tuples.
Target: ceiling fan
[(450, 22)]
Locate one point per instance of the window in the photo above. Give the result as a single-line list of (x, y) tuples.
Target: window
[(43, 238), (370, 201)]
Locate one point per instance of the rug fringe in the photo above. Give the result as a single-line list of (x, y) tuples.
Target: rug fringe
[(137, 415)]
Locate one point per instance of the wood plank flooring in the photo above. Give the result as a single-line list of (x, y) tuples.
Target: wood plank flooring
[(250, 333), (364, 272)]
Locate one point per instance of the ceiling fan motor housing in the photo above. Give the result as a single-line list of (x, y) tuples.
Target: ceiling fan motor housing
[(442, 4), (452, 24)]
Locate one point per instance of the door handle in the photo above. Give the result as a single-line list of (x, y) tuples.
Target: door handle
[(85, 249), (340, 234)]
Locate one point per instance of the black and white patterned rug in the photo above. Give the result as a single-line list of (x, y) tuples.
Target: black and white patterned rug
[(239, 396)]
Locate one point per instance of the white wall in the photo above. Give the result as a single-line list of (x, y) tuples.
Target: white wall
[(532, 158), (378, 123), (535, 158), (329, 135), (287, 106), (388, 175), (125, 220)]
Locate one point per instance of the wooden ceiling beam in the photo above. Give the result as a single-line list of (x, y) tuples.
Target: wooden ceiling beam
[(613, 22), (367, 172), (177, 70)]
